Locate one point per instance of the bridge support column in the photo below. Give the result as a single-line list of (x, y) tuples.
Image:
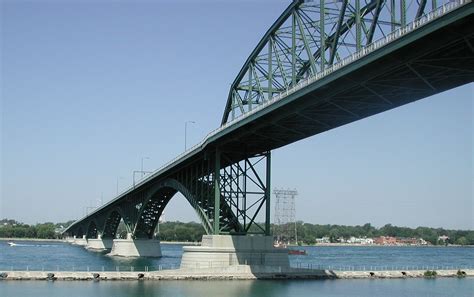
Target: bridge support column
[(220, 251), (136, 247), (80, 241), (99, 244)]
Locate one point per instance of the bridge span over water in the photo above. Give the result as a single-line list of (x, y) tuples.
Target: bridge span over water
[(322, 64)]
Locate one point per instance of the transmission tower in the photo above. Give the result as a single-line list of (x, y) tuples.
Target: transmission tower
[(284, 220)]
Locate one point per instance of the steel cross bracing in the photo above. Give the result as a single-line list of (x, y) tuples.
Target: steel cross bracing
[(227, 196), (226, 176), (310, 36)]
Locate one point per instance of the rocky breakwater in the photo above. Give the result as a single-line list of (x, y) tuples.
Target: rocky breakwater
[(234, 272)]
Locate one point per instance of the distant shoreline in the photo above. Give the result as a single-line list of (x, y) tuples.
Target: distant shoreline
[(62, 240), (28, 239), (380, 245), (289, 246)]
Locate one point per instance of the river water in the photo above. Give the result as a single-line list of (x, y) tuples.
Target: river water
[(260, 288), (40, 255), (35, 255)]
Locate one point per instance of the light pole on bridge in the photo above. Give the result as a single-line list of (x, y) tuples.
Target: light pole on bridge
[(118, 178), (144, 158), (186, 131)]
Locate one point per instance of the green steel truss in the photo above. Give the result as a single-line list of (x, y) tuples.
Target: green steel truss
[(309, 36), (226, 178), (229, 198)]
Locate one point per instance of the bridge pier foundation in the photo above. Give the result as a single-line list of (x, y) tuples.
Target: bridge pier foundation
[(99, 244), (80, 241), (218, 251), (136, 247)]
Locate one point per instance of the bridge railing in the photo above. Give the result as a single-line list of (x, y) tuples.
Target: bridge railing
[(423, 20), (170, 266)]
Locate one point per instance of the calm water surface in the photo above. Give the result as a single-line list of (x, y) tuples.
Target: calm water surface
[(63, 256), (58, 255), (326, 288)]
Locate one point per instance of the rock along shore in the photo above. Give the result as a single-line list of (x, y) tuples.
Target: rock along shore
[(240, 272)]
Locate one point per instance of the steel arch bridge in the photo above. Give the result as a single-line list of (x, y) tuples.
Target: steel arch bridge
[(322, 64)]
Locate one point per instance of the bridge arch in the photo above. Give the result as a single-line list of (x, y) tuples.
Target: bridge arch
[(92, 230), (112, 221), (157, 198), (79, 232)]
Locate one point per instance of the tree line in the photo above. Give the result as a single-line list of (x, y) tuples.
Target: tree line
[(14, 229), (306, 232)]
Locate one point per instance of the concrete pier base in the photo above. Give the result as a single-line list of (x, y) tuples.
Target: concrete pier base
[(80, 241), (136, 248), (99, 244), (229, 250)]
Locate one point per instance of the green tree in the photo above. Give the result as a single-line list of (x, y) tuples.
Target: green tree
[(462, 241)]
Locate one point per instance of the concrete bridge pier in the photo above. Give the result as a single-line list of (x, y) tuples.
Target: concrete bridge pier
[(135, 247), (99, 244), (220, 251), (80, 241)]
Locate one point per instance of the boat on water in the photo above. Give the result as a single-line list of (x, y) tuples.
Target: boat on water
[(296, 252), (12, 243)]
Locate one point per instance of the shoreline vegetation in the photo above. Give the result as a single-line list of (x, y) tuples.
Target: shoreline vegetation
[(307, 234), (335, 244)]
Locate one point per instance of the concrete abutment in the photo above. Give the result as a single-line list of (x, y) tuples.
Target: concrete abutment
[(136, 247), (80, 241), (230, 250), (99, 244)]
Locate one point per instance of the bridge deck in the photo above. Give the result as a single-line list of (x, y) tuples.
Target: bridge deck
[(428, 60)]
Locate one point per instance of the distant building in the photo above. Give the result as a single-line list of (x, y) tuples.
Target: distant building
[(443, 238), (411, 241), (385, 240), (324, 239), (389, 240), (360, 240)]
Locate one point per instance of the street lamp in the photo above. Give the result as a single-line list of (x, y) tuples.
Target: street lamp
[(144, 158), (185, 132), (118, 178), (139, 171)]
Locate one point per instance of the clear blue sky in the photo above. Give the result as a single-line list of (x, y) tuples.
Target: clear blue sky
[(89, 87)]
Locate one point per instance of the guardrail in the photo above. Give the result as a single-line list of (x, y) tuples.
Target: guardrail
[(435, 14), (304, 265), (431, 16), (300, 265)]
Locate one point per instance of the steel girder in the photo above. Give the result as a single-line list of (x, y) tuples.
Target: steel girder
[(308, 37)]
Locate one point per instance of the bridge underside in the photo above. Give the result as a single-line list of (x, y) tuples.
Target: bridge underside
[(439, 61), (226, 195), (227, 179)]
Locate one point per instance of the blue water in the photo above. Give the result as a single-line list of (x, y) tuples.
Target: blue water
[(383, 257), (327, 288), (28, 255), (62, 256)]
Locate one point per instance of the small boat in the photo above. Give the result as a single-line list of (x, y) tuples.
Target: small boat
[(12, 243), (296, 252)]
